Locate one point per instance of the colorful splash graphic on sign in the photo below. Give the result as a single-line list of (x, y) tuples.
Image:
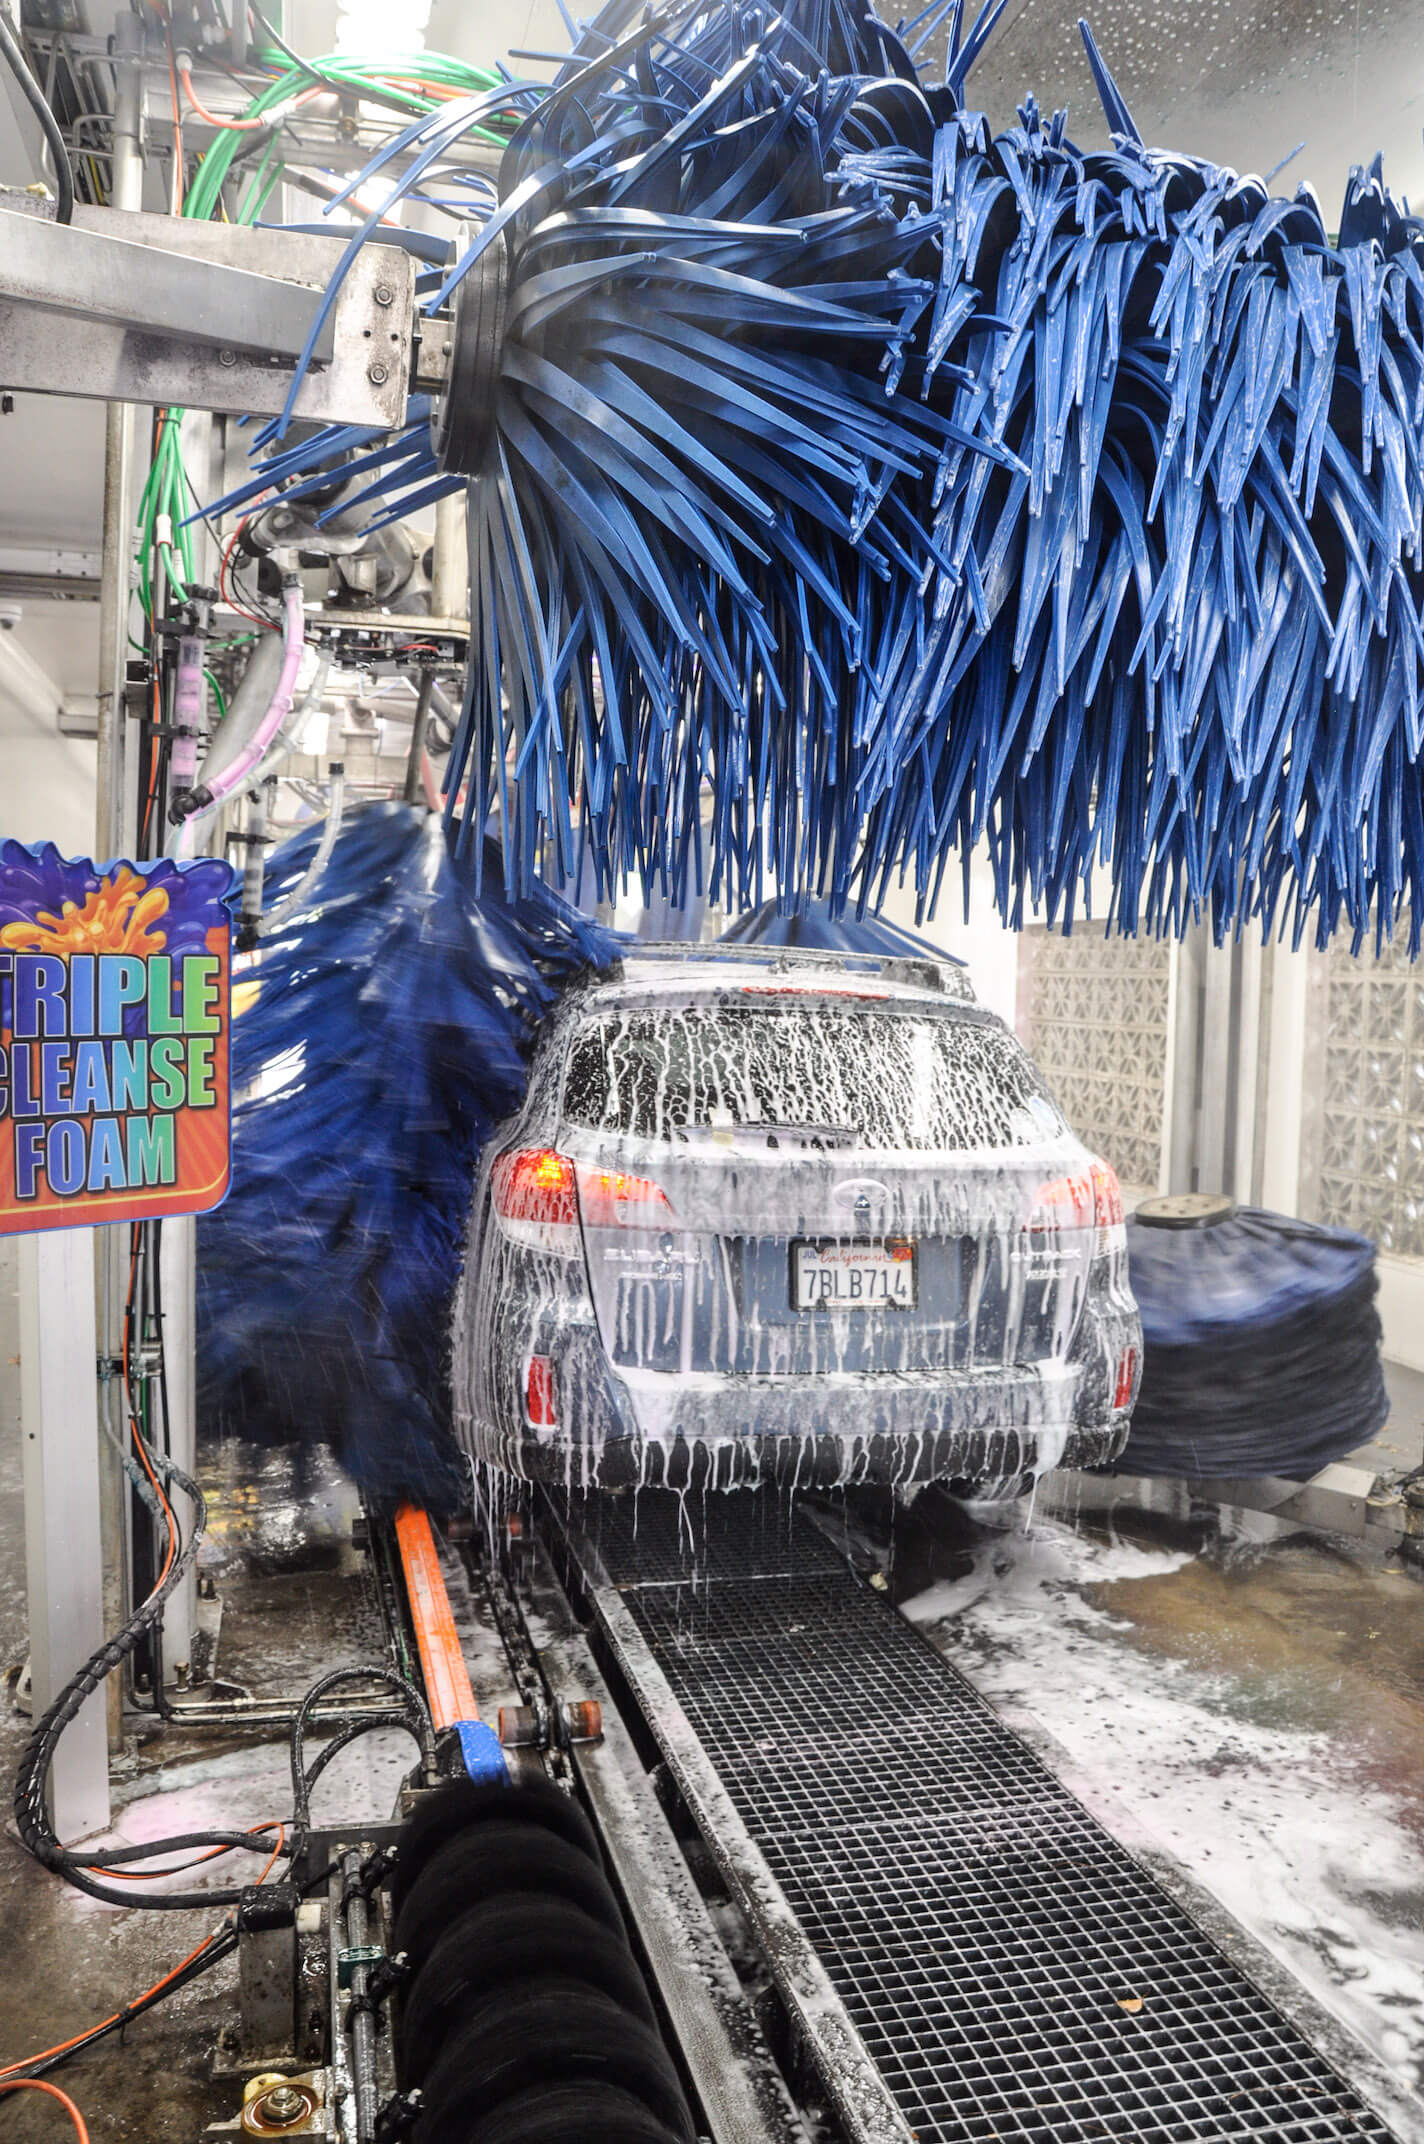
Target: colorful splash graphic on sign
[(114, 1009)]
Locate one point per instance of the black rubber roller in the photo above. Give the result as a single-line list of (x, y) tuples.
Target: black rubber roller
[(550, 2033), (438, 1817), (498, 1859), (500, 1944), (572, 2114)]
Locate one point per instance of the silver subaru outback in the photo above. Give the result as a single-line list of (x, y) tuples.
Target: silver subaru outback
[(796, 1216)]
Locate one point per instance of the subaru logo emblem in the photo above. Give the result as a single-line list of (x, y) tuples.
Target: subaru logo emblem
[(860, 1193)]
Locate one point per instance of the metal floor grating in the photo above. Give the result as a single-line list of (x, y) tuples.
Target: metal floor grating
[(1012, 1971)]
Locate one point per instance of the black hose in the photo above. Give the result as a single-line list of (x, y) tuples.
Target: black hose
[(34, 96), (410, 1713), (222, 1946), (32, 1819)]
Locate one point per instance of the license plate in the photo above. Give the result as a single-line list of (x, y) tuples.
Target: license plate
[(853, 1276)]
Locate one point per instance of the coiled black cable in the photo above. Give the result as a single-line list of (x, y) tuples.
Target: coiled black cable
[(410, 1713), (34, 96), (31, 1809)]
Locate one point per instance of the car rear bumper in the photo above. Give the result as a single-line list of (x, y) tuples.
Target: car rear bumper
[(974, 1429)]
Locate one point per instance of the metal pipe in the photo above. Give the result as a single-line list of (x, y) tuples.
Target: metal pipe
[(413, 790), (450, 564), (177, 1261), (360, 2020), (115, 589), (261, 1712), (116, 828)]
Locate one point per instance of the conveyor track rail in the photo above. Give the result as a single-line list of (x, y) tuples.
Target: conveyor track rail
[(1010, 1969)]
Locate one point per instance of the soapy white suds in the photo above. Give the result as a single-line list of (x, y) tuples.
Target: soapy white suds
[(1316, 1861)]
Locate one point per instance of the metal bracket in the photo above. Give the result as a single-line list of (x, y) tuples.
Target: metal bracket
[(351, 1960), (200, 315)]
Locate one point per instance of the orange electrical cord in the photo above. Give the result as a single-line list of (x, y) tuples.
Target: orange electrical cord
[(246, 126), (158, 1985), (64, 2045), (37, 2084), (214, 1853)]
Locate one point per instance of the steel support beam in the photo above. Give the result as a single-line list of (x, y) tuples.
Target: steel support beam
[(90, 276), (59, 1417), (113, 826), (177, 1255), (177, 312)]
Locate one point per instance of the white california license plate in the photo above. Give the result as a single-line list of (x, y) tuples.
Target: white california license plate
[(853, 1276)]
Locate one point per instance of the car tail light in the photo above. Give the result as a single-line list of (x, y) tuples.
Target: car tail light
[(1107, 1210), (1065, 1203), (536, 1199), (539, 1405), (1126, 1377), (1090, 1198), (610, 1199)]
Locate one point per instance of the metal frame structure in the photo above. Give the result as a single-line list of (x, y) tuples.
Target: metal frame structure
[(201, 315), (153, 310), (769, 1734), (63, 1561)]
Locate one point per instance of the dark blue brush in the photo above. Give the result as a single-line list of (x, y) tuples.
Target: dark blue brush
[(391, 1033)]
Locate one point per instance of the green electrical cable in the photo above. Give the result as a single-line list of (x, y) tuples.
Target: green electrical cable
[(167, 489)]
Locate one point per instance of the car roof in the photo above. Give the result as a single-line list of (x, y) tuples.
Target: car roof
[(679, 971)]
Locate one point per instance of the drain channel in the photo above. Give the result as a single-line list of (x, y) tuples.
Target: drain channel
[(1008, 1969)]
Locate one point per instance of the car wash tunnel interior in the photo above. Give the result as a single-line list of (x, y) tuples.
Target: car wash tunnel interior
[(711, 1072)]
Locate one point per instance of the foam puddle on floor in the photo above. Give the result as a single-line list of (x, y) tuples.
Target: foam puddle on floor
[(1289, 1826)]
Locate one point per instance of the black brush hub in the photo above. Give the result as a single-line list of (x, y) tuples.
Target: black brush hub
[(464, 414)]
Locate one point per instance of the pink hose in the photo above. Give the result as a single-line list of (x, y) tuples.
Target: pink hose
[(294, 631), (187, 712)]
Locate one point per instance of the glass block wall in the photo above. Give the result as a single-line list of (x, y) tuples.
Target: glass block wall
[(1371, 1101), (1093, 1015)]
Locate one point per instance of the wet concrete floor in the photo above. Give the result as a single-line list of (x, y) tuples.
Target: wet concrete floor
[(1254, 1703)]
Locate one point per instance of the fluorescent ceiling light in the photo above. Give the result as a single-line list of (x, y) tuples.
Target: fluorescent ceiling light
[(367, 28)]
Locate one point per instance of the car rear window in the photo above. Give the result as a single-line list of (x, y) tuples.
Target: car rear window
[(896, 1081)]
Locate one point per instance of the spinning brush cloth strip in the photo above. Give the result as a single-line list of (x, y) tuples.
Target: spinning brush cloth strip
[(389, 1036), (814, 926), (908, 485), (1260, 1348)]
